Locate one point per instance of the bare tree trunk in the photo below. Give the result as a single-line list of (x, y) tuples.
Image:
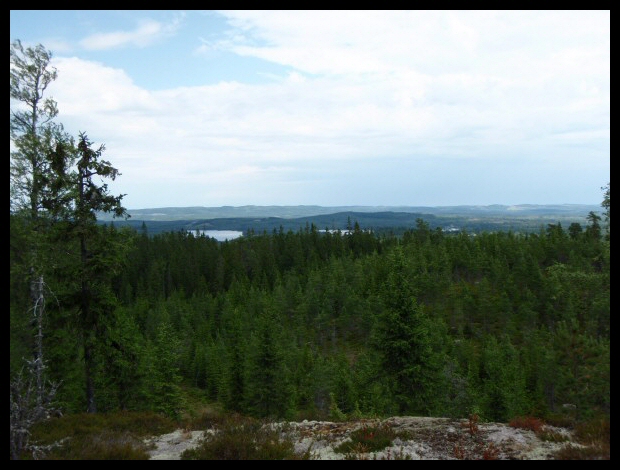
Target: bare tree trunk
[(30, 399), (38, 311)]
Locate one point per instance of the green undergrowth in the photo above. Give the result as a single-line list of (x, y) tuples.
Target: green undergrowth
[(199, 413), (592, 452), (242, 438), (98, 436), (590, 438), (120, 436), (368, 439), (593, 438)]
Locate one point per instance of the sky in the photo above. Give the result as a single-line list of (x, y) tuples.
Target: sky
[(333, 108)]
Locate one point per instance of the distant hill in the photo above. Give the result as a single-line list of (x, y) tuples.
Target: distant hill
[(292, 212), (520, 218)]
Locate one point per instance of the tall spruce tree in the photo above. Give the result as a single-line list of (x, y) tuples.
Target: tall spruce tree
[(404, 341), (163, 377), (97, 253)]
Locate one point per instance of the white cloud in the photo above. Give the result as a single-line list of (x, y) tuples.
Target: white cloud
[(90, 88), (147, 32), (402, 85)]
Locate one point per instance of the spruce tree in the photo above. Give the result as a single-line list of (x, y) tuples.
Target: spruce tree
[(234, 377), (409, 359), (267, 390), (163, 390), (95, 254)]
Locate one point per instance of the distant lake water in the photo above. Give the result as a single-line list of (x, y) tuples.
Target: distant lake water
[(219, 235)]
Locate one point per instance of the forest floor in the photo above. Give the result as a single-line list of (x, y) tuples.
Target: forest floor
[(415, 438)]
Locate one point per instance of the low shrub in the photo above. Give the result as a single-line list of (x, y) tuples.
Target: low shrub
[(574, 452), (100, 436), (240, 438), (106, 445), (560, 420), (368, 439), (472, 424), (206, 420), (527, 422), (490, 452), (593, 437), (593, 430), (551, 436)]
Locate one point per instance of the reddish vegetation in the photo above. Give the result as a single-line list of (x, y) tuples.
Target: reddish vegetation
[(527, 422), (473, 424), (490, 452), (459, 453)]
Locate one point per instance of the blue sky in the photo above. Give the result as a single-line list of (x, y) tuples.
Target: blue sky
[(212, 108)]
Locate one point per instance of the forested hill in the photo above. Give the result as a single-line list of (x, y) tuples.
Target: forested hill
[(292, 212), (337, 221), (523, 218)]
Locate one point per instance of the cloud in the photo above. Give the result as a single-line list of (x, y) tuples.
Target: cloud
[(90, 88), (436, 74), (366, 92), (508, 46), (146, 33)]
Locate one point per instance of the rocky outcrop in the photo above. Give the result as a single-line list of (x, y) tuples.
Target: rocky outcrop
[(415, 438), (423, 438)]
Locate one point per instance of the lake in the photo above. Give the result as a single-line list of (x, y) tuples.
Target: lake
[(219, 235)]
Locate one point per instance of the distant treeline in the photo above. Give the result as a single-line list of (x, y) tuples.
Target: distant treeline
[(295, 212), (379, 222)]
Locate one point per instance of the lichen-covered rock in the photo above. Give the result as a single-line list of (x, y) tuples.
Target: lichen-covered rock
[(414, 438), (425, 438)]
